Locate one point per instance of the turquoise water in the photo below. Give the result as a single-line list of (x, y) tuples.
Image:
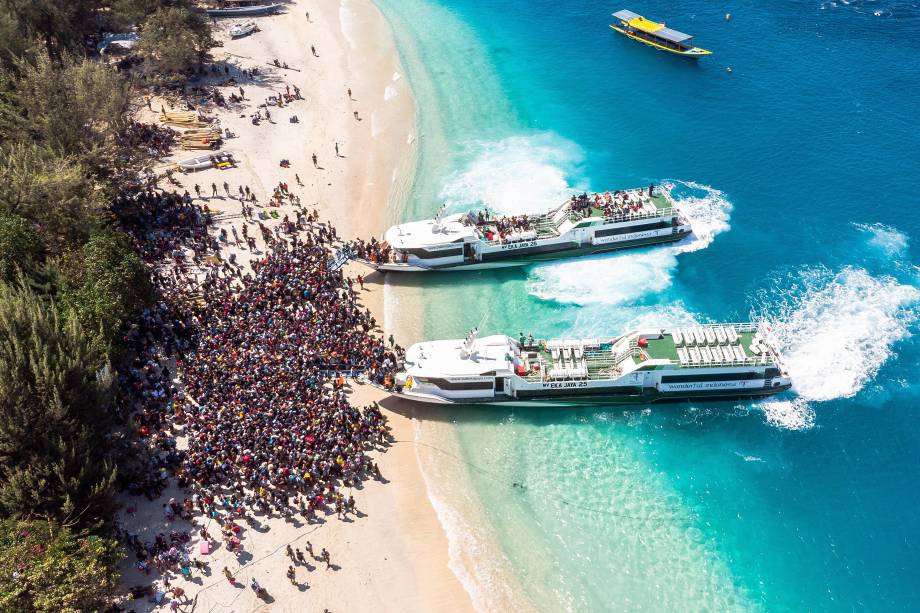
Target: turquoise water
[(799, 168)]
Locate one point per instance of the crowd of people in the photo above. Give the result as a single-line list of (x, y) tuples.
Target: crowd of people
[(617, 203), (372, 251), (153, 139), (262, 358), (268, 419)]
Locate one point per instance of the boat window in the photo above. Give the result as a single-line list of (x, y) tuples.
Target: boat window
[(656, 225), (730, 376)]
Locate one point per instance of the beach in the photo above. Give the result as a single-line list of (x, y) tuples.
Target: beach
[(393, 556)]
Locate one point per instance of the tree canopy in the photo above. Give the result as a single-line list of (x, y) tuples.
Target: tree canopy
[(173, 42)]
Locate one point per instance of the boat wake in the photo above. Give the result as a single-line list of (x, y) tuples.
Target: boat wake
[(836, 329), (890, 241), (629, 276), (514, 175), (795, 414)]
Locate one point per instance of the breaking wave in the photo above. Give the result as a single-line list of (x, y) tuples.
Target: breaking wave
[(836, 330), (628, 276)]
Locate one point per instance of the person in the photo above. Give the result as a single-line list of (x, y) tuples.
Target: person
[(300, 557), (229, 576), (227, 188), (349, 94), (309, 548), (313, 51), (392, 340), (324, 556), (356, 116), (297, 178), (314, 161), (213, 190), (198, 190), (337, 150), (290, 552), (292, 575), (361, 282)]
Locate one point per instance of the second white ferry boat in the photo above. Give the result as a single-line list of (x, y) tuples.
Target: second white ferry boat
[(725, 361), (582, 225)]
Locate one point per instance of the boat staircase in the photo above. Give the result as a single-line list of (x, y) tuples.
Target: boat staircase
[(545, 227), (339, 259)]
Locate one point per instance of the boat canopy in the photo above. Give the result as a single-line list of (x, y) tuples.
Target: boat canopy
[(642, 24)]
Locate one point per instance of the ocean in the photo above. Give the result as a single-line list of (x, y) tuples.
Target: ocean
[(798, 167)]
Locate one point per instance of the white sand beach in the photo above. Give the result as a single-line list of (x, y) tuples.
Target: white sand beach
[(394, 556)]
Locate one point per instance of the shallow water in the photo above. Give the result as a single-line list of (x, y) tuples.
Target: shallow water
[(799, 170)]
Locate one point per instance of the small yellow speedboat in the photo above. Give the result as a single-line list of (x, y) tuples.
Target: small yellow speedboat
[(656, 35)]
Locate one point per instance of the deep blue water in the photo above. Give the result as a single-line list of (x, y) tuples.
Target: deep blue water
[(801, 164)]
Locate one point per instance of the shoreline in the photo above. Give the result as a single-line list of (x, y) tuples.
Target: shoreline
[(395, 556)]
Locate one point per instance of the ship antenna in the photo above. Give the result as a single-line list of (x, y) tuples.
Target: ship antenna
[(437, 226), (467, 349)]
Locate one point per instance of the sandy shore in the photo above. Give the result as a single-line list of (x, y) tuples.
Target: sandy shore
[(395, 556)]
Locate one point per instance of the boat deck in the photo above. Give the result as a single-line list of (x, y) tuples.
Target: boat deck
[(717, 347), (660, 206), (546, 225)]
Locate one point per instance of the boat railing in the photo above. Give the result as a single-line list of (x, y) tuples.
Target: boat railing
[(630, 216), (665, 212)]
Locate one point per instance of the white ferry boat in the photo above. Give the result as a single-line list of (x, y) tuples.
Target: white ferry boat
[(643, 366), (582, 225)]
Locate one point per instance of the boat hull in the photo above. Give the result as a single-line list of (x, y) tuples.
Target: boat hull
[(693, 54), (247, 11), (650, 397), (512, 261)]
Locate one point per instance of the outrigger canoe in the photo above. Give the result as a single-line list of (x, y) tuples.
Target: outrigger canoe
[(243, 11), (240, 30), (656, 35), (219, 159)]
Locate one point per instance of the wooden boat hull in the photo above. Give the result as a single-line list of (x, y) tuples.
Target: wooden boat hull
[(244, 11), (694, 53)]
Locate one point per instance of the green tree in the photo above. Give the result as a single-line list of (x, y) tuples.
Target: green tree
[(55, 404), (173, 42), (53, 192), (21, 247), (107, 284), (48, 568), (60, 25), (73, 105)]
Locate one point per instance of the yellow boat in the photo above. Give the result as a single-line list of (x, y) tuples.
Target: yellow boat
[(656, 35)]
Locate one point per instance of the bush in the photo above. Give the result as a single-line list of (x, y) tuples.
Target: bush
[(44, 567)]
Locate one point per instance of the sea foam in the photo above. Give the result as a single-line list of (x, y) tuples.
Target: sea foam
[(627, 276), (890, 241), (836, 329), (795, 414), (518, 174)]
